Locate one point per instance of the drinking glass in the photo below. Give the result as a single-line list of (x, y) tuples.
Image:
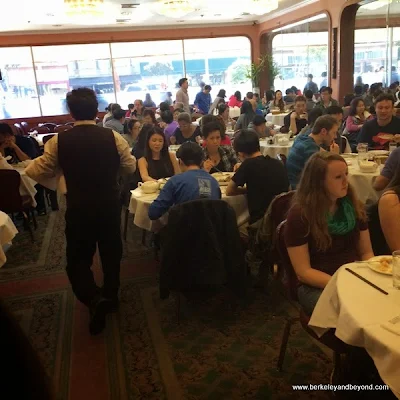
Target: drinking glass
[(396, 269), (362, 149)]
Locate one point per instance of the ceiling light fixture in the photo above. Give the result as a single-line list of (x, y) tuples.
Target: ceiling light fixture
[(174, 8), (261, 7), (84, 8)]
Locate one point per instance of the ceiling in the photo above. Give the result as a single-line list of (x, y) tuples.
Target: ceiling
[(27, 16)]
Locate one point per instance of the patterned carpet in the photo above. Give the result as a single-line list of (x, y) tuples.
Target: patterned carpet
[(213, 352)]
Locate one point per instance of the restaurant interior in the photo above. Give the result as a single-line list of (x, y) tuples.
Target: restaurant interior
[(216, 343)]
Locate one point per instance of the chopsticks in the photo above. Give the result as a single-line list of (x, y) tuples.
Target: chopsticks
[(366, 281)]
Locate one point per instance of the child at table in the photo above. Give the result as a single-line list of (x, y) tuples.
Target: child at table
[(263, 176), (326, 226), (194, 183)]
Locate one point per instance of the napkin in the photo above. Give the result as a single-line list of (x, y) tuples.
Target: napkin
[(393, 325), (4, 164)]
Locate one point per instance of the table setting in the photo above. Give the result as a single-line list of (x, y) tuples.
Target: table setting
[(280, 143), (147, 192), (277, 118), (362, 303), (363, 170)]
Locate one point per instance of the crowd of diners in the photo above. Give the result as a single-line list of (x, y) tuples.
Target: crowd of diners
[(326, 216), (326, 225)]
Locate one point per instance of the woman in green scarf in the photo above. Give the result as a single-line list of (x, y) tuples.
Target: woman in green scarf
[(326, 226)]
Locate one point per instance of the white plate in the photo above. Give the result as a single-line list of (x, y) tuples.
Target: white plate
[(221, 175), (378, 153), (375, 265)]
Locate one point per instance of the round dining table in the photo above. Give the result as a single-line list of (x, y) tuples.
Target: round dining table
[(273, 150), (140, 203), (7, 234), (362, 182), (360, 315), (277, 119)]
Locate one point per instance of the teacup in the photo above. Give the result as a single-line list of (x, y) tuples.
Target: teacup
[(149, 187)]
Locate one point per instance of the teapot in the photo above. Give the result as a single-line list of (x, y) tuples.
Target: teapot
[(149, 187)]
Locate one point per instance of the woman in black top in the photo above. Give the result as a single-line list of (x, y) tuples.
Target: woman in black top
[(186, 132), (157, 162)]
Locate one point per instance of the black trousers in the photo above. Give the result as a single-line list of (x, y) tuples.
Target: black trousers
[(86, 228)]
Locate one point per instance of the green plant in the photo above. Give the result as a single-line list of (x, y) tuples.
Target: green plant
[(255, 70), (272, 68)]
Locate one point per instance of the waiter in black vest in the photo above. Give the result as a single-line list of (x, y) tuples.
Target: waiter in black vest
[(91, 159)]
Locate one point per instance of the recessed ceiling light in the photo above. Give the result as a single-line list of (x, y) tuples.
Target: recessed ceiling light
[(122, 21), (217, 15)]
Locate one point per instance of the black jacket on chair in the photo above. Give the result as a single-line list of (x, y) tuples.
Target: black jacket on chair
[(201, 246)]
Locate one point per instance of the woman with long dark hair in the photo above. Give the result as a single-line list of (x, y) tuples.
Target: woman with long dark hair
[(326, 226), (277, 102), (140, 145), (235, 100), (247, 115), (358, 115), (157, 162)]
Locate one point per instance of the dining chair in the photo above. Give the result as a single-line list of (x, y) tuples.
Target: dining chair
[(12, 202), (49, 125), (62, 128), (18, 129), (290, 283), (41, 129), (25, 128), (282, 158), (35, 143), (47, 138), (344, 145)]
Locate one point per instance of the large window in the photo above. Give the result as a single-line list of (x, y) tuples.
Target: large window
[(36, 80), (18, 95), (218, 62), (62, 68), (146, 68), (377, 43), (299, 50)]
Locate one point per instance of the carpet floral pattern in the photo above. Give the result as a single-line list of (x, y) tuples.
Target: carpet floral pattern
[(214, 353), (47, 321)]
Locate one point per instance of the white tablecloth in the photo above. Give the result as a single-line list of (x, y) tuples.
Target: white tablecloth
[(277, 119), (7, 233), (273, 149), (357, 311), (234, 112), (140, 203), (362, 183), (27, 187)]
